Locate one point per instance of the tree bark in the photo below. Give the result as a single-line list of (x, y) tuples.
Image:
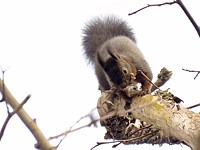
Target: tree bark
[(43, 143), (171, 123)]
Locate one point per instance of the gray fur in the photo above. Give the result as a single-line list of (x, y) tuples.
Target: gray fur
[(100, 30), (110, 45)]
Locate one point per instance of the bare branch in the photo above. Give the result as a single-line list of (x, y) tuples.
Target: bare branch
[(43, 143), (125, 140), (193, 106), (93, 121), (189, 16), (72, 130), (192, 71), (151, 5), (180, 3), (2, 100), (11, 114), (175, 123)]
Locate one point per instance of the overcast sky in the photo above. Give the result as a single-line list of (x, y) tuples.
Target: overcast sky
[(40, 44)]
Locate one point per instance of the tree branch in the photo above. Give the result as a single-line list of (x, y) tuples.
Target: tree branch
[(192, 71), (151, 5), (171, 123), (72, 129), (180, 3), (11, 114), (189, 16), (43, 143)]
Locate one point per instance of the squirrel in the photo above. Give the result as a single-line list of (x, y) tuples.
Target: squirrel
[(110, 45)]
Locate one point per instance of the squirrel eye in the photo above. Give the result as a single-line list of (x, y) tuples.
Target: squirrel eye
[(135, 87), (124, 70)]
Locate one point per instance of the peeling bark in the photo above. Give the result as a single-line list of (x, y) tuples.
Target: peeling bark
[(162, 120)]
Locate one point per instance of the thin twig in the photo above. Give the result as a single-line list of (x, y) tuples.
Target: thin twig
[(43, 143), (3, 93), (180, 3), (64, 134), (73, 130), (148, 78), (88, 125), (192, 71), (125, 140), (196, 105), (151, 5), (11, 114)]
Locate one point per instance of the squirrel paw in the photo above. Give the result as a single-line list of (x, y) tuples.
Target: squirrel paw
[(142, 93)]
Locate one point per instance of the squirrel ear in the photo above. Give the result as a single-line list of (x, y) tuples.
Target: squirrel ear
[(100, 60), (114, 56)]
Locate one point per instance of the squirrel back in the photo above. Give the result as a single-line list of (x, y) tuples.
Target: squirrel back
[(110, 45), (99, 30)]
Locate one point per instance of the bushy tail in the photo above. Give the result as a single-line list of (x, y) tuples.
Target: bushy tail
[(100, 30)]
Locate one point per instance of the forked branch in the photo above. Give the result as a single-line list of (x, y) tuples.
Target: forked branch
[(43, 143), (180, 3)]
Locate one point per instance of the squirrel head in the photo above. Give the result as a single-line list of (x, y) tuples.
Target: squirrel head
[(120, 71)]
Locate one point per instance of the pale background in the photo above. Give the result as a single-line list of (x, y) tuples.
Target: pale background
[(40, 44)]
